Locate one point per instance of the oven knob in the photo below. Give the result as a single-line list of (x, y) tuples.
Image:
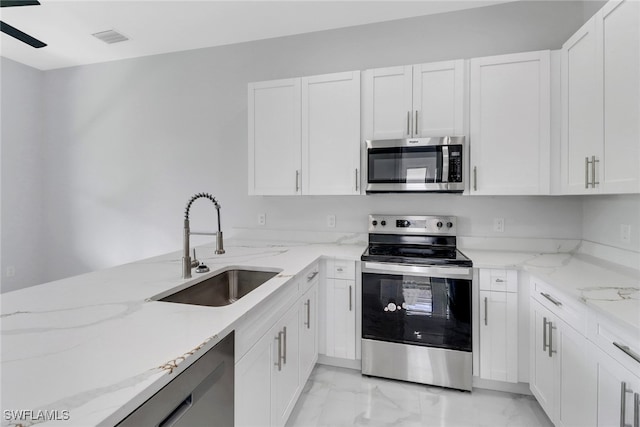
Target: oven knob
[(439, 224), (374, 222), (449, 224), (383, 223)]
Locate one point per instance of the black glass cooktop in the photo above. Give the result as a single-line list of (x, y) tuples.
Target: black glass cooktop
[(415, 254)]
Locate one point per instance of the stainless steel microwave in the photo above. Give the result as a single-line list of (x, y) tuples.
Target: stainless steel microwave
[(416, 165)]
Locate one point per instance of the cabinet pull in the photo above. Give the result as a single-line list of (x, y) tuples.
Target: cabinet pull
[(475, 178), (550, 298), (586, 172), (636, 410), (623, 404), (339, 270), (485, 311), (308, 322), (544, 334), (297, 180), (626, 350), (551, 350), (284, 345), (499, 281), (350, 299), (416, 134), (312, 276), (408, 123), (357, 181), (593, 171), (279, 362)]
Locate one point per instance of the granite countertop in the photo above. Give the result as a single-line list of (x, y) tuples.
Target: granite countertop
[(95, 346), (607, 288)]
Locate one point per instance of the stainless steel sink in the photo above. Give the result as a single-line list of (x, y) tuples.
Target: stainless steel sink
[(226, 287)]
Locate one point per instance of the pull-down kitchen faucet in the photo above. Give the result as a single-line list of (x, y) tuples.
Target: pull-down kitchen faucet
[(187, 263)]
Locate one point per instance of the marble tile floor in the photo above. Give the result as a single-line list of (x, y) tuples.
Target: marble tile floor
[(343, 397)]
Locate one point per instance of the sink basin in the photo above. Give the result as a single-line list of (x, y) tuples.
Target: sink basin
[(224, 288)]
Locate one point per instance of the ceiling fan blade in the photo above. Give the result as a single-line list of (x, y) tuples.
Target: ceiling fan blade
[(12, 3), (23, 37)]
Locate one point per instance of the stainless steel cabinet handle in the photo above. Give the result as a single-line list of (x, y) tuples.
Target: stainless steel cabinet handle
[(284, 345), (586, 172), (416, 134), (308, 322), (279, 360), (485, 311), (475, 178), (350, 299), (623, 403), (552, 299), (339, 270), (177, 413), (297, 181), (357, 181), (312, 276), (628, 351), (499, 281), (636, 410), (593, 171), (544, 334), (551, 350), (408, 123)]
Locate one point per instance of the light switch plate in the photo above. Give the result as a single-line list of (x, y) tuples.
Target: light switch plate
[(625, 233), (262, 219), (498, 225)]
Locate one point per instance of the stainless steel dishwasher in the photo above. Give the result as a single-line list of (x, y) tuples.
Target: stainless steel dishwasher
[(202, 395)]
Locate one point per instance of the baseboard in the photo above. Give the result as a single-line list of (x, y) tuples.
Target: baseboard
[(340, 362), (517, 388)]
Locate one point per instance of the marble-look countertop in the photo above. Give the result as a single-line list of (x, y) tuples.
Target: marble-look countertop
[(88, 350), (605, 287)]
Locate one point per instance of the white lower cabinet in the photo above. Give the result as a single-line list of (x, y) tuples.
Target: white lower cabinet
[(499, 325), (340, 309), (308, 309)]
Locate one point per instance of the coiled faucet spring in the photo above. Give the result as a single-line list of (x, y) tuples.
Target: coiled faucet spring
[(187, 263)]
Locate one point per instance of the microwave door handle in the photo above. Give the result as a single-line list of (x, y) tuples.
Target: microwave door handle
[(445, 163)]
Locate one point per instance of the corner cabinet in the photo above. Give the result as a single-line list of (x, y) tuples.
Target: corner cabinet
[(510, 132), (414, 101), (304, 135), (600, 143), (499, 325)]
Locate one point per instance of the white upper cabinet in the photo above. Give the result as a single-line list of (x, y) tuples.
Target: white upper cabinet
[(331, 134), (600, 150), (274, 137), (510, 124), (304, 135), (414, 101)]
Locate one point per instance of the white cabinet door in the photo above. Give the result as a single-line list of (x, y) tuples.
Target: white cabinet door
[(331, 134), (576, 382), (341, 318), (619, 48), (253, 372), (387, 97), (308, 332), (581, 110), (274, 137), (438, 99), (499, 336), (510, 124), (286, 368), (617, 390), (542, 374)]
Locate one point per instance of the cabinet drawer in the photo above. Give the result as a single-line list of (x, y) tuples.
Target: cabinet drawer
[(341, 269), (621, 344), (571, 311), (498, 280)]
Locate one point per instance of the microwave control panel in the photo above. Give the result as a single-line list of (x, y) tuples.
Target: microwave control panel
[(455, 163)]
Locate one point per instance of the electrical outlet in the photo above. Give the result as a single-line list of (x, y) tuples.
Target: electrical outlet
[(498, 225), (11, 271), (625, 233), (262, 219), (331, 221)]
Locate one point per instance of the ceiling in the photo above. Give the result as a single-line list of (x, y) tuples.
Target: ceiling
[(160, 26)]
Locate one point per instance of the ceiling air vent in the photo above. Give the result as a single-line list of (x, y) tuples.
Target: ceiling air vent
[(110, 36)]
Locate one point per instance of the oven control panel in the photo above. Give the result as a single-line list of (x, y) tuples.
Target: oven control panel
[(412, 224)]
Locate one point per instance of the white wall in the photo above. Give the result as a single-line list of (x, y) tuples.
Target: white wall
[(127, 143), (603, 215), (21, 171)]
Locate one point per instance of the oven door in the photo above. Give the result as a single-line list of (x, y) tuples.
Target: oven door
[(414, 165), (424, 306)]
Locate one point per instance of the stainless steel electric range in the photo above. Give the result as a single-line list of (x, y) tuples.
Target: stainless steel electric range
[(416, 302)]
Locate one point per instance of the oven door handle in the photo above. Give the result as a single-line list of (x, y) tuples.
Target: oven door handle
[(415, 270)]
